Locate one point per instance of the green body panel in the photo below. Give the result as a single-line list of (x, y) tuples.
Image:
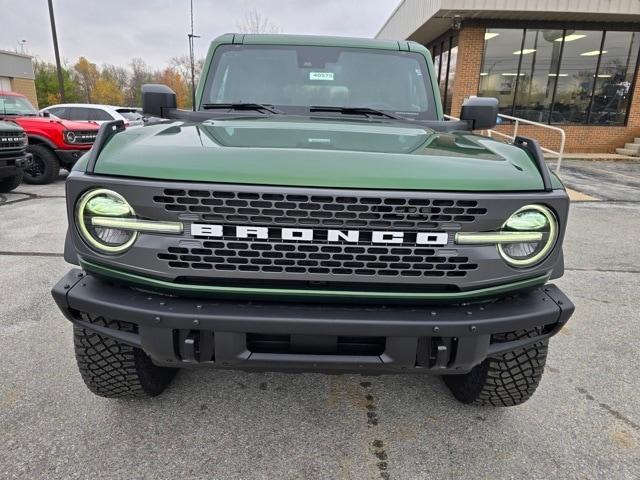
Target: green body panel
[(319, 153), (300, 294)]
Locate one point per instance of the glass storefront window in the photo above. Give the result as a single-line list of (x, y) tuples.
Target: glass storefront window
[(444, 60), (436, 63), (499, 72), (576, 76), (560, 76), (453, 60), (538, 70), (615, 78)]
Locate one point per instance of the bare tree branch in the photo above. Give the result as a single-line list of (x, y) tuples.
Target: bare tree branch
[(255, 22)]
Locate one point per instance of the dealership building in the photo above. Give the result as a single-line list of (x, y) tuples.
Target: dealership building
[(16, 75), (571, 63)]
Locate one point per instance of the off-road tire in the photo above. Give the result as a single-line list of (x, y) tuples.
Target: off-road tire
[(504, 381), (10, 183), (47, 166), (113, 369)]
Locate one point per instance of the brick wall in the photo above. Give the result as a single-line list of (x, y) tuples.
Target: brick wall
[(27, 88), (579, 138), (470, 49)]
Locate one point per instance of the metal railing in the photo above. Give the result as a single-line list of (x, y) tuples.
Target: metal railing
[(516, 124)]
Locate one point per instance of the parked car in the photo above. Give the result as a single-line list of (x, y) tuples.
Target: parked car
[(88, 112), (53, 143), (13, 156)]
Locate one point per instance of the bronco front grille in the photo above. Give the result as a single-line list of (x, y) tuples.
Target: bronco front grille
[(225, 254), (305, 258), (85, 136), (12, 140), (260, 208)]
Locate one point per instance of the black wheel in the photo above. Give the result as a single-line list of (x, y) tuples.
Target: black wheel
[(115, 370), (43, 168), (504, 381), (10, 183)]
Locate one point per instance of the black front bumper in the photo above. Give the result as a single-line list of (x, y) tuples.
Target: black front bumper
[(287, 336), (13, 163), (69, 157)]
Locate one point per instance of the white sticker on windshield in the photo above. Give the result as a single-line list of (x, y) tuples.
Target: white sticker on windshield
[(321, 76)]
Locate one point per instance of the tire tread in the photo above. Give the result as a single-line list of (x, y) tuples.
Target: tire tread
[(507, 380)]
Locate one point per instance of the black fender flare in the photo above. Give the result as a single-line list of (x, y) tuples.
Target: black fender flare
[(42, 139)]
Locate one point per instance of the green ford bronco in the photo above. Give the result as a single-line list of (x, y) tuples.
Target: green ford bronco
[(315, 212)]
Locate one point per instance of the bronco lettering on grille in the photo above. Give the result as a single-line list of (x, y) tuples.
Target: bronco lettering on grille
[(327, 235)]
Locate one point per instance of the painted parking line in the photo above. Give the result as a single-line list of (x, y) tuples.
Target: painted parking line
[(576, 196)]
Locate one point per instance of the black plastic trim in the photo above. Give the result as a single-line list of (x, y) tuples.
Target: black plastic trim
[(533, 148)]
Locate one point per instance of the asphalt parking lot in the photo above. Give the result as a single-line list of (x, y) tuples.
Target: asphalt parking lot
[(584, 421)]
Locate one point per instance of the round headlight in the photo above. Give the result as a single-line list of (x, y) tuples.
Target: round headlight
[(69, 137), (104, 203), (535, 219)]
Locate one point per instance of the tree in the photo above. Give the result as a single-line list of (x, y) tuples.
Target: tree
[(116, 74), (255, 22), (176, 82), (183, 65), (140, 74), (106, 91), (87, 75), (46, 81)]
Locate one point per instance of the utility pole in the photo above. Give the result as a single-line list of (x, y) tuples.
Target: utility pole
[(57, 53), (191, 36)]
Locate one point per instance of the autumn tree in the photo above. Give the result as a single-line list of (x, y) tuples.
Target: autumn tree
[(107, 92), (182, 64), (172, 78), (87, 75)]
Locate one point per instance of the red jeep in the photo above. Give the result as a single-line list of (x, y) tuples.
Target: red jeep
[(53, 143)]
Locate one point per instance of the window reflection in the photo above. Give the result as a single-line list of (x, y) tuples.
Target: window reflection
[(576, 76), (499, 72), (538, 70), (560, 76), (453, 60), (615, 77), (444, 58)]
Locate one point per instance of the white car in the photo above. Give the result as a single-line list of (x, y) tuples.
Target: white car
[(87, 112)]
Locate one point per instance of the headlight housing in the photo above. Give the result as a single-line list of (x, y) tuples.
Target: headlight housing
[(529, 219), (101, 203)]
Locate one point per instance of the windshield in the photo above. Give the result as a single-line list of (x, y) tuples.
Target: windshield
[(11, 105), (294, 78)]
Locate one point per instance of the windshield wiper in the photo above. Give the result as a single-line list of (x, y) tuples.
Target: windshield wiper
[(353, 111), (241, 106)]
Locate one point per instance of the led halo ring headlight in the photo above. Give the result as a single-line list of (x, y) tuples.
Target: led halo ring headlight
[(531, 219), (105, 203), (69, 136)]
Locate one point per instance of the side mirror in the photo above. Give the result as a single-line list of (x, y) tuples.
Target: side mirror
[(480, 112), (157, 100), (46, 114)]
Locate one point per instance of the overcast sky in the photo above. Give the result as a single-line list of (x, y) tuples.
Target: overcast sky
[(114, 31)]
